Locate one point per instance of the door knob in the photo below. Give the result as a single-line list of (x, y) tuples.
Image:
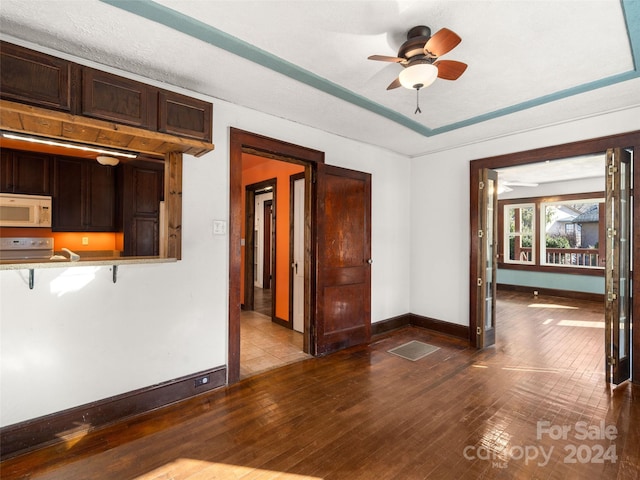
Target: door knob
[(370, 261)]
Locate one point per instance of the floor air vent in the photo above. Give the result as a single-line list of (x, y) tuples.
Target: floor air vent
[(413, 350)]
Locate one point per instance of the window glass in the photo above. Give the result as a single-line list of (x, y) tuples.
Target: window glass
[(519, 226), (571, 234)]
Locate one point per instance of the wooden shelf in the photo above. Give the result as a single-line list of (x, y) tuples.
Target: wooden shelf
[(26, 119)]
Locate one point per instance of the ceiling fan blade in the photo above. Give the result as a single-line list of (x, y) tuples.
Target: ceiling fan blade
[(520, 184), (383, 58), (395, 84), (442, 42), (450, 69)]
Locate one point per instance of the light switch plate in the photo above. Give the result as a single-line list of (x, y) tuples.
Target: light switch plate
[(219, 227)]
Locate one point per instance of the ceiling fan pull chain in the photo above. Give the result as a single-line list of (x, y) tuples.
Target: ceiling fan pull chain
[(417, 102)]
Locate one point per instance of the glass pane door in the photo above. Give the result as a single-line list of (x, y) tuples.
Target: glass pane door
[(487, 268), (617, 271)]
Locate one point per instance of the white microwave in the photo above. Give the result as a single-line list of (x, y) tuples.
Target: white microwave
[(24, 210)]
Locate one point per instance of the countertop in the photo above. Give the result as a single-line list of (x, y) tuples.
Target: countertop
[(83, 262)]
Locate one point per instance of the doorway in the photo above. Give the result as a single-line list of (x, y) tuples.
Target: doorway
[(337, 206), (266, 335), (261, 148), (478, 287), (260, 251)]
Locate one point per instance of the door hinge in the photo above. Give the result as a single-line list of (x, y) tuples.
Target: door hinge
[(479, 282), (611, 232), (611, 360), (612, 170), (611, 296), (313, 176)]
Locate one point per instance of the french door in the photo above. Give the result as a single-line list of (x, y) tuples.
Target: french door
[(617, 270), (486, 236)]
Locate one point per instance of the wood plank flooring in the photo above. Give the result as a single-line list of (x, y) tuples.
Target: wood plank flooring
[(364, 413)]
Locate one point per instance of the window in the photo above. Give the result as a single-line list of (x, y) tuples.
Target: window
[(519, 233), (571, 234)]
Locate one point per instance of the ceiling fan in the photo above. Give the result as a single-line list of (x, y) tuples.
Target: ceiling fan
[(504, 186), (419, 56)]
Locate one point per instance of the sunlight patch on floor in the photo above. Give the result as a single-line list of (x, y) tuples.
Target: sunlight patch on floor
[(185, 468), (551, 305), (580, 323), (534, 369)]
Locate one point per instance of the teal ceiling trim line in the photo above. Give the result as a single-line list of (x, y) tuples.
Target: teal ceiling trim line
[(631, 12), (196, 29), (552, 97), (170, 18)]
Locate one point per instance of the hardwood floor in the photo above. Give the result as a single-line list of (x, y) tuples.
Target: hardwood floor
[(516, 410)]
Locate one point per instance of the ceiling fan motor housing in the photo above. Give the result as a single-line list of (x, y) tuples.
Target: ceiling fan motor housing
[(417, 37)]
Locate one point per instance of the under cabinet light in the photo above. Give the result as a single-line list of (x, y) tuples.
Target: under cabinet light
[(53, 143)]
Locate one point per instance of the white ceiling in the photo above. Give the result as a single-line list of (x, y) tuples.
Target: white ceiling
[(531, 62), (574, 168)]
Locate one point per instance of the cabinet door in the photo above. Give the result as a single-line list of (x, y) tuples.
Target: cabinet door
[(6, 171), (35, 78), (84, 196), (143, 237), (100, 208), (185, 116), (68, 193), (143, 189), (31, 173), (118, 99), (25, 172)]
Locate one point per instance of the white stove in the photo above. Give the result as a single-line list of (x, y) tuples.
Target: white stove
[(26, 248)]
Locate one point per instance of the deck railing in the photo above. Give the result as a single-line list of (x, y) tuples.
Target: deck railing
[(577, 257)]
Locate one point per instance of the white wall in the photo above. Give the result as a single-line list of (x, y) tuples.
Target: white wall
[(61, 349), (440, 210)]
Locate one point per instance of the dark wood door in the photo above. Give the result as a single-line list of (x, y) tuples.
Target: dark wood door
[(343, 262)]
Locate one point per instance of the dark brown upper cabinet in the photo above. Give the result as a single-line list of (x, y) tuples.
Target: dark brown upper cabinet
[(25, 172), (31, 77), (38, 79), (184, 116), (84, 196), (113, 98)]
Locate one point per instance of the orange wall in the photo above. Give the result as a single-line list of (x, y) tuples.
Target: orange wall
[(70, 240), (256, 169)]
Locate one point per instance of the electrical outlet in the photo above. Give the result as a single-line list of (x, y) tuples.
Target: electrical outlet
[(200, 381), (85, 240)]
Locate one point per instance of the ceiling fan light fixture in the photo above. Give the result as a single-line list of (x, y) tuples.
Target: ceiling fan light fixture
[(418, 76)]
